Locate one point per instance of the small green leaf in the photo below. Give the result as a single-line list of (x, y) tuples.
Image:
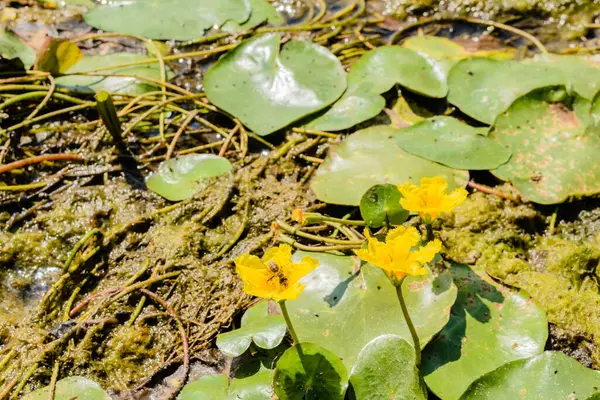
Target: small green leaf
[(549, 376), (113, 84), (489, 326), (268, 88), (453, 143), (58, 56), (380, 205), (484, 88), (262, 11), (212, 387), (71, 388), (167, 20), (179, 178), (372, 156), (256, 387), (11, 47), (307, 371), (385, 369), (267, 332)]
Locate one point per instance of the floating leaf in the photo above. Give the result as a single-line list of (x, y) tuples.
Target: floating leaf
[(167, 20), (380, 205), (181, 177), (11, 47), (369, 157), (316, 374), (374, 73), (267, 88), (71, 388), (267, 331), (212, 387), (549, 376), (345, 306), (262, 11), (484, 88), (453, 143), (256, 387), (58, 56), (113, 84), (385, 369), (489, 326), (555, 155)]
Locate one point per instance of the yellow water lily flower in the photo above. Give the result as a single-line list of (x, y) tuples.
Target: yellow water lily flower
[(399, 255), (430, 199), (276, 276)]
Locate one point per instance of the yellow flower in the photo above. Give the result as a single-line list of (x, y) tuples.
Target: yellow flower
[(430, 199), (398, 254), (299, 216), (275, 276)]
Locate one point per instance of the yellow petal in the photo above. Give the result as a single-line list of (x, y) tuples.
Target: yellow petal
[(304, 267), (291, 293), (281, 255), (428, 252)]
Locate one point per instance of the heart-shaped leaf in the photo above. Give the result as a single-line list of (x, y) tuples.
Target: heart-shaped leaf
[(179, 178), (489, 326), (345, 306), (484, 88), (11, 47), (268, 89), (555, 154), (380, 205), (167, 20), (112, 84), (73, 387), (453, 143), (215, 387), (262, 11), (549, 376), (267, 331), (310, 372), (374, 73), (371, 156), (385, 369)]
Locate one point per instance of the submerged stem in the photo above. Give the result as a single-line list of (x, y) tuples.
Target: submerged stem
[(411, 327)]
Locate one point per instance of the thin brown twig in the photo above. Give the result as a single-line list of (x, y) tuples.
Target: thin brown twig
[(38, 159), (489, 190), (179, 132), (228, 140)]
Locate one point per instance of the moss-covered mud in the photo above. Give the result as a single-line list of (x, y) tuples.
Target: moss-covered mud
[(558, 266)]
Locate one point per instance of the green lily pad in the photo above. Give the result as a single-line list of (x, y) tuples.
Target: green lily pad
[(71, 388), (256, 387), (58, 56), (549, 376), (555, 153), (583, 73), (385, 369), (215, 387), (267, 88), (167, 20), (310, 372), (380, 205), (179, 178), (11, 47), (489, 326), (262, 11), (207, 387), (345, 306), (112, 84), (453, 143), (374, 73), (267, 331), (371, 156), (484, 88)]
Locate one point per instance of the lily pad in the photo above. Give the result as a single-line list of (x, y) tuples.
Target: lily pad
[(372, 156), (71, 388), (262, 11), (112, 84), (268, 88), (267, 332), (555, 153), (179, 178), (549, 376), (484, 88), (11, 47), (380, 205), (58, 56), (374, 73), (345, 306), (453, 143), (215, 387), (310, 372), (256, 387), (385, 369), (489, 326), (167, 20)]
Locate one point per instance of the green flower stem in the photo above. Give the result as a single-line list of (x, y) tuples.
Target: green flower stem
[(411, 327), (288, 322), (429, 228)]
